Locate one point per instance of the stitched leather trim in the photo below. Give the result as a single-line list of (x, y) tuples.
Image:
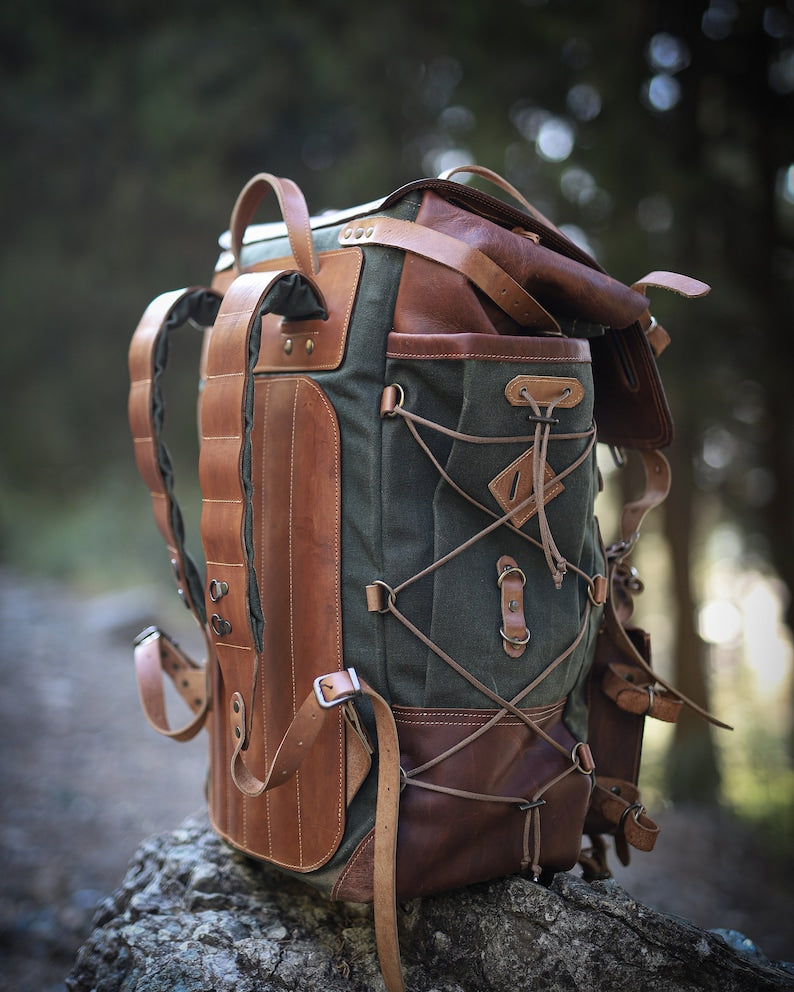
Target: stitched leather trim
[(488, 347)]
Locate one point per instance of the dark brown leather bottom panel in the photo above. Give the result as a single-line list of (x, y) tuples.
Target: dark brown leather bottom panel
[(449, 841)]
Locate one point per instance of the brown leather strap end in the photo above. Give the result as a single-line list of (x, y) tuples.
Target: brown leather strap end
[(511, 581), (156, 654), (631, 690)]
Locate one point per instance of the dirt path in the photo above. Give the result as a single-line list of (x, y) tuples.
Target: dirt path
[(83, 779)]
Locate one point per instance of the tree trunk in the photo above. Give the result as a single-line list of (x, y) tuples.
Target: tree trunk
[(692, 769)]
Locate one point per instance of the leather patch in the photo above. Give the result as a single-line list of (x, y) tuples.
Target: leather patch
[(514, 485), (544, 389), (303, 345)]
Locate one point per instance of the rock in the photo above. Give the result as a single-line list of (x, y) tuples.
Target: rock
[(192, 915)]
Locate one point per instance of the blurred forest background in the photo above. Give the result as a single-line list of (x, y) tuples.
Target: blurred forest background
[(658, 134)]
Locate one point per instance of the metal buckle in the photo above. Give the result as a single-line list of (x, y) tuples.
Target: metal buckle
[(345, 697), (148, 634)]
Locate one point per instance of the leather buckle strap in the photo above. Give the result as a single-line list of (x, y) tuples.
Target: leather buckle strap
[(630, 688), (341, 687), (155, 654)]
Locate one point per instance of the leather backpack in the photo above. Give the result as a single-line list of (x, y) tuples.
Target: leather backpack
[(420, 667)]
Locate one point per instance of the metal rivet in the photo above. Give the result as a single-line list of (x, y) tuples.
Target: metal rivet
[(347, 233), (369, 232), (288, 346), (309, 346), (236, 706), (359, 232), (237, 732), (513, 606)]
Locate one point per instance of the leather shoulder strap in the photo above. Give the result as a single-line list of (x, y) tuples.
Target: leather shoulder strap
[(148, 356)]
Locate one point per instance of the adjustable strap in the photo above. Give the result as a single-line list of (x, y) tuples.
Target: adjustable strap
[(478, 268), (619, 602), (619, 803), (329, 691), (155, 654), (632, 690), (148, 357)]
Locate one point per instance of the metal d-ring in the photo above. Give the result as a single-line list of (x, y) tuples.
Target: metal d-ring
[(511, 570), (517, 642)]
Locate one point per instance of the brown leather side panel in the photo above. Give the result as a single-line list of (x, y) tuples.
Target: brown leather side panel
[(445, 841), (296, 533)]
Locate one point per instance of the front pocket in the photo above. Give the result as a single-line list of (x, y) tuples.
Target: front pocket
[(469, 444)]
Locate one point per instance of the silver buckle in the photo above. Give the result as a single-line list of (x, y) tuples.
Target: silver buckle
[(318, 690)]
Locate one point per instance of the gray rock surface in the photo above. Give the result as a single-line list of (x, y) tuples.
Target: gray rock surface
[(193, 915)]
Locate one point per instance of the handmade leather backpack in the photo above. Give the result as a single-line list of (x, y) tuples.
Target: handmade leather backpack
[(420, 671)]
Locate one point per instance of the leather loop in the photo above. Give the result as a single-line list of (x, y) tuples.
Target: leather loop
[(618, 802), (293, 209), (156, 654), (511, 581), (631, 690), (295, 747)]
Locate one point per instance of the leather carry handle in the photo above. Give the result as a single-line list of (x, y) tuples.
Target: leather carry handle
[(501, 183), (293, 209)]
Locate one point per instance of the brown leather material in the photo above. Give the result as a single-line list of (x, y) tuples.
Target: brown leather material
[(674, 282), (358, 759), (630, 688), (463, 258), (155, 654), (631, 408), (563, 287), (614, 734), (514, 631), (544, 390), (145, 415), (306, 345), (618, 804), (487, 347), (514, 486), (302, 345), (293, 209), (300, 484), (300, 737), (508, 760)]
